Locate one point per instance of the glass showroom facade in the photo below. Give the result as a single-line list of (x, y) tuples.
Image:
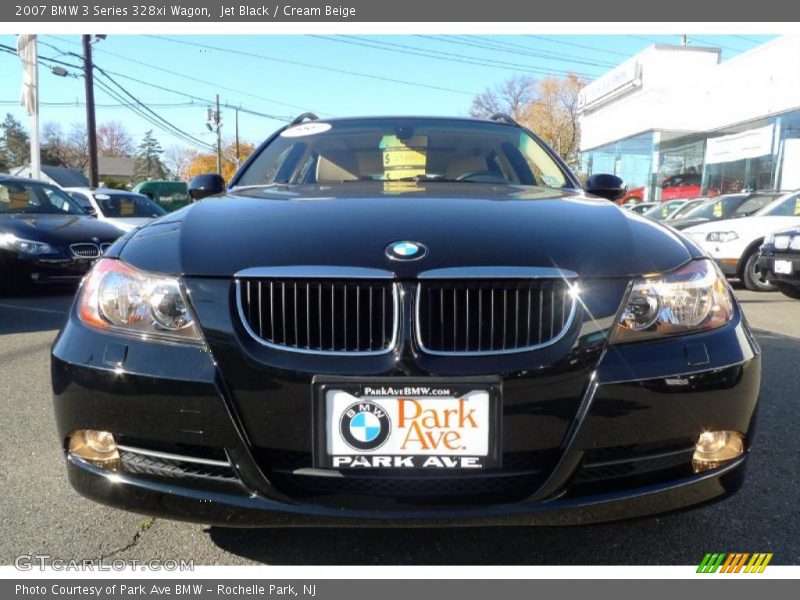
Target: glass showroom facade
[(758, 155)]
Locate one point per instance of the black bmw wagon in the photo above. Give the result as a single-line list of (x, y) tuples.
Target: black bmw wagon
[(405, 320)]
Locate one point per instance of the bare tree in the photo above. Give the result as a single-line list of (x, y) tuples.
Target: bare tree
[(177, 159), (77, 147), (548, 106), (114, 140), (511, 97)]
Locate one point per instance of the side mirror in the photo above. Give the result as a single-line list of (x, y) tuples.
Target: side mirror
[(90, 212), (606, 186), (204, 185)]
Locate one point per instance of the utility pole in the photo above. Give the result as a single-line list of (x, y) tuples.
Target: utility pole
[(217, 122), (238, 157), (91, 127)]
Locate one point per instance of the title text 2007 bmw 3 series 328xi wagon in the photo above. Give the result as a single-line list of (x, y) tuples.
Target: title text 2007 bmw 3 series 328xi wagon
[(400, 320)]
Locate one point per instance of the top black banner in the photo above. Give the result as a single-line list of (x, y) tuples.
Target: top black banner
[(439, 11)]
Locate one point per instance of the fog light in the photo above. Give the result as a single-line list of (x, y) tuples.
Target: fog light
[(716, 447), (97, 447)]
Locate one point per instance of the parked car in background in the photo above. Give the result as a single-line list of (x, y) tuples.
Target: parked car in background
[(728, 206), (634, 196), (398, 321), (124, 210), (662, 210), (45, 236), (683, 186), (734, 243), (171, 195), (684, 209), (779, 259), (641, 207)]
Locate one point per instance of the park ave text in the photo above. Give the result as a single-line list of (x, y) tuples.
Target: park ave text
[(158, 11)]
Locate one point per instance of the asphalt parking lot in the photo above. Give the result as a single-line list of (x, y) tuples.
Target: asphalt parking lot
[(40, 514)]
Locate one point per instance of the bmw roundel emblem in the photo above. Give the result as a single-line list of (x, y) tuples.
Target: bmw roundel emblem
[(406, 250), (365, 426)]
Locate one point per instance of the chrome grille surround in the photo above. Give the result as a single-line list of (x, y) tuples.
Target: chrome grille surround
[(330, 276), (464, 277), (85, 250)]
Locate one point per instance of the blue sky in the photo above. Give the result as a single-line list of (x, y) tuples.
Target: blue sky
[(283, 75)]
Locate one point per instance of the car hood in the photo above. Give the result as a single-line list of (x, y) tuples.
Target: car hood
[(746, 227), (685, 223), (58, 229), (127, 224), (352, 225)]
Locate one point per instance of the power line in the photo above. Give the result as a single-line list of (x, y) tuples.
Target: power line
[(312, 66), (576, 45), (516, 49), (153, 116), (702, 41), (155, 119), (178, 74), (437, 55)]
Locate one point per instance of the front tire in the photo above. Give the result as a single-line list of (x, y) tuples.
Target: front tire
[(753, 277), (791, 291)]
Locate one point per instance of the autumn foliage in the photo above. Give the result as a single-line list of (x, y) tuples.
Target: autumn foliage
[(207, 163)]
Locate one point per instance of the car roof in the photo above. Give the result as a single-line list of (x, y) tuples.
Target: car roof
[(13, 179), (507, 121), (101, 191)]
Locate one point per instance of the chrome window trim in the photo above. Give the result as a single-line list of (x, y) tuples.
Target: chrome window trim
[(498, 273), (176, 457), (550, 342), (341, 273)]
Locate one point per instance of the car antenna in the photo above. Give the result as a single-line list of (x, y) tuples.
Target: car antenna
[(306, 116), (504, 118)]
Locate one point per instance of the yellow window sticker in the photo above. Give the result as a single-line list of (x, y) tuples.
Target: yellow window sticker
[(718, 209), (126, 208), (404, 158), (797, 206), (18, 200)]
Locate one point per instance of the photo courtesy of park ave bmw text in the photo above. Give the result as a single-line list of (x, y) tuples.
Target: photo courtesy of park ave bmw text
[(317, 286)]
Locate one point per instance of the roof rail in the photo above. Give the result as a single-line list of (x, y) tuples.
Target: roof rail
[(306, 116), (504, 118)]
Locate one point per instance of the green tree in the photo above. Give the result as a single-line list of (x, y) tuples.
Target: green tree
[(148, 159), (15, 144)]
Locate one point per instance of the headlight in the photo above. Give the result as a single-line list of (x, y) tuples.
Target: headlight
[(118, 297), (781, 242), (722, 236), (9, 241), (696, 297)]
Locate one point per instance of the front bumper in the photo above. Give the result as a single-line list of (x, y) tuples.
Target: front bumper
[(767, 263), (607, 435), (45, 270)]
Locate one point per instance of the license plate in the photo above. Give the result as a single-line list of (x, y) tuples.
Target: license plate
[(784, 267), (407, 424)]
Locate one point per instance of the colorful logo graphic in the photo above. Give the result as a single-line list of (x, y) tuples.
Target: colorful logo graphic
[(406, 250), (735, 562), (365, 426)]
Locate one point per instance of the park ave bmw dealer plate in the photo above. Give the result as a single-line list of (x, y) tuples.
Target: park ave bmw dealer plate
[(407, 424)]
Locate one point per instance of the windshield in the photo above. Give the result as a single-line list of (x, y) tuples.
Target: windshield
[(787, 206), (404, 149), (716, 208), (661, 211), (682, 211), (35, 199), (128, 206)]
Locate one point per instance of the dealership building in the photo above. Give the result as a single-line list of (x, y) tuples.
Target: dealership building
[(673, 113)]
